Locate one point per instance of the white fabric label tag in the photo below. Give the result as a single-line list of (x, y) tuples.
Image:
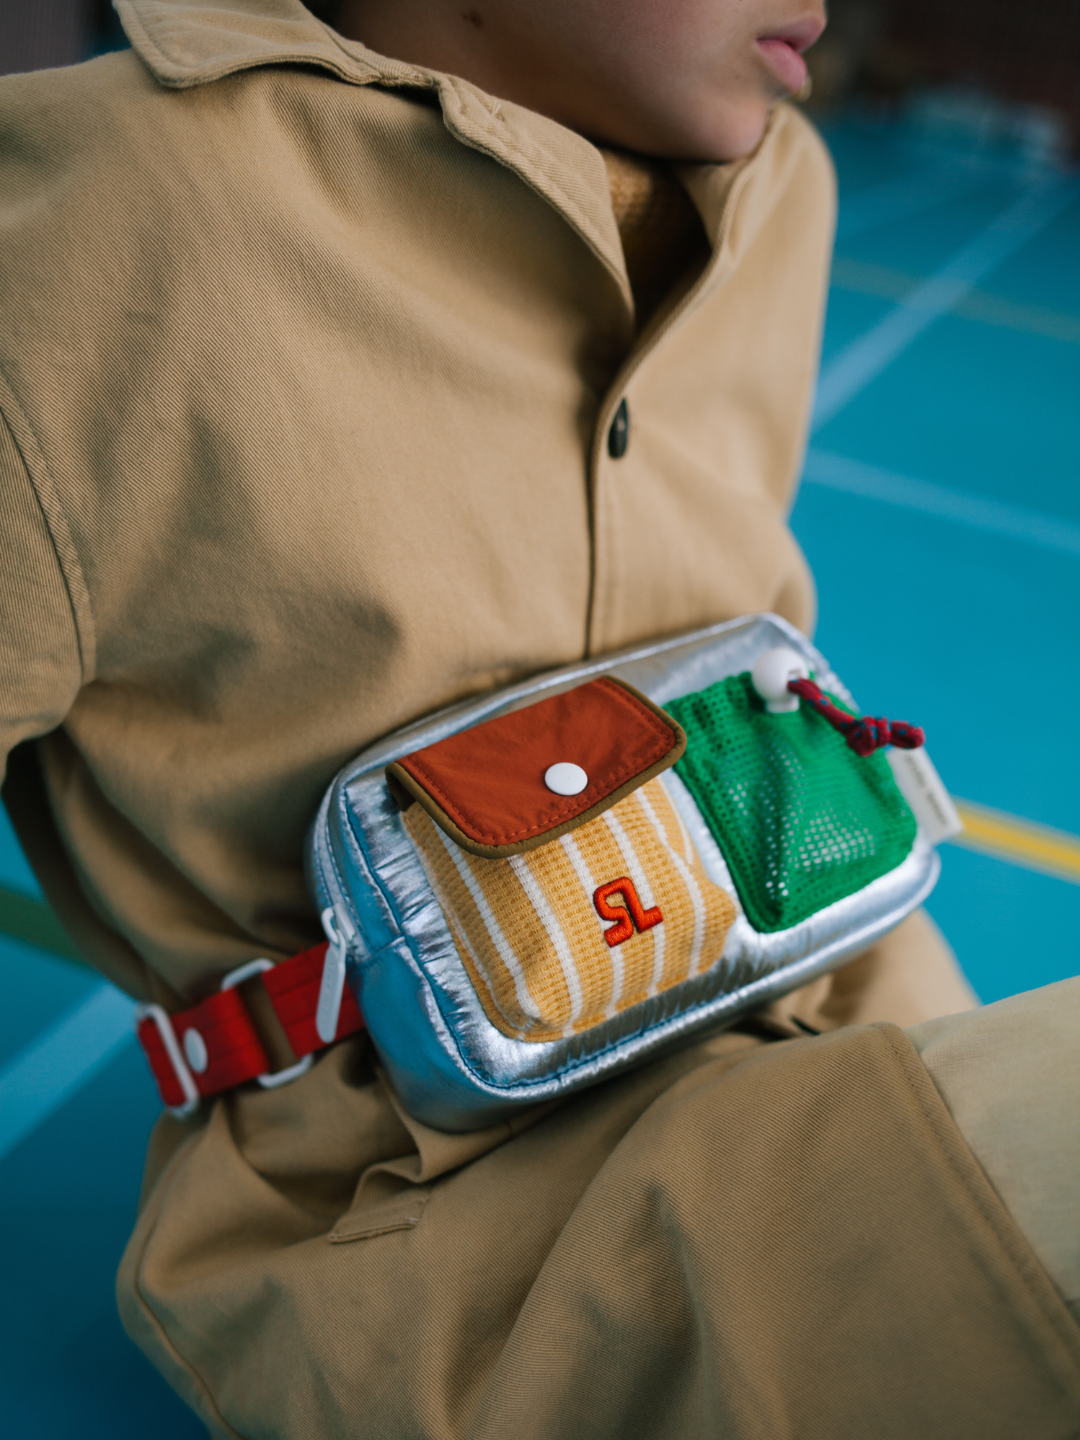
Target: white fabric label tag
[(921, 787)]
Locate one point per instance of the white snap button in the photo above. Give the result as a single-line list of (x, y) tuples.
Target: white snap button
[(565, 778), (195, 1051)]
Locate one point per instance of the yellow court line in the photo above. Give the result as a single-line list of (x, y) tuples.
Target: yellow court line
[(884, 283), (1022, 842)]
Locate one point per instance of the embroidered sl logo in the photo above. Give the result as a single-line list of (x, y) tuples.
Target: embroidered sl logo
[(638, 918)]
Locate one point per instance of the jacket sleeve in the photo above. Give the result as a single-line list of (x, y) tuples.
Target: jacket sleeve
[(40, 663)]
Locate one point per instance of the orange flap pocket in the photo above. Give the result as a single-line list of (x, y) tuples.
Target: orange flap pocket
[(575, 931), (521, 780), (565, 909)]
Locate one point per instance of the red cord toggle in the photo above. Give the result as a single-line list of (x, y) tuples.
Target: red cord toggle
[(864, 733)]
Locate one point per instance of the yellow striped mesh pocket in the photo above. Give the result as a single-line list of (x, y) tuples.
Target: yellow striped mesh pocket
[(559, 938)]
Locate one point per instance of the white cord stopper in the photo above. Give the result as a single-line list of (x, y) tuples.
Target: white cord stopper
[(770, 675)]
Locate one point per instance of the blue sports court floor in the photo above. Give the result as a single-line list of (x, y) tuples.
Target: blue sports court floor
[(941, 514)]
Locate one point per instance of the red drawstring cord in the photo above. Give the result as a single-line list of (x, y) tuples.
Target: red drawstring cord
[(863, 733)]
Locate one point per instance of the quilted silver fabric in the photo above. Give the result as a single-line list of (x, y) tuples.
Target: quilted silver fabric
[(452, 1068)]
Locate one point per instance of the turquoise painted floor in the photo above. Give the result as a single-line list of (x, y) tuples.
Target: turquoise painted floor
[(941, 515)]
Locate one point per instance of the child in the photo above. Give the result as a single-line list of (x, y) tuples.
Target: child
[(337, 387)]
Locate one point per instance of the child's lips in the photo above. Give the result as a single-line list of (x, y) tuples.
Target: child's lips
[(786, 64), (782, 51)]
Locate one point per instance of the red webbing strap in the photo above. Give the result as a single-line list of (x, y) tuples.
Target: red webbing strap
[(161, 1067), (225, 1049), (294, 990)]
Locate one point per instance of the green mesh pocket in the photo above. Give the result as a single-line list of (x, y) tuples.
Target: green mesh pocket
[(801, 820)]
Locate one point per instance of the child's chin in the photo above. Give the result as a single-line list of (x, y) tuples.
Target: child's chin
[(733, 133)]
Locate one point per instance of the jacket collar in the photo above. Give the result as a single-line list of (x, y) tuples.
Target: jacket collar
[(192, 42), (184, 43)]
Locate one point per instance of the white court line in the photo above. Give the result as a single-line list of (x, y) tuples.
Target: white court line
[(63, 1059), (849, 373), (836, 472), (884, 204)]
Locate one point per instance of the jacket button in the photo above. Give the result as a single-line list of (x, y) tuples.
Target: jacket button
[(618, 437)]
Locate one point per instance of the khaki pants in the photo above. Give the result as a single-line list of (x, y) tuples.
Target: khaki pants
[(1010, 1075), (753, 1237)]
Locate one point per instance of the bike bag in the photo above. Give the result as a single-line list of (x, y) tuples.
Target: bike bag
[(538, 888)]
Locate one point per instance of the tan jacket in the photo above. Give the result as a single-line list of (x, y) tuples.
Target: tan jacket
[(306, 388)]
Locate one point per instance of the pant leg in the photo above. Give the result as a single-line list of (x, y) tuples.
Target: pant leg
[(1010, 1076), (760, 1241)]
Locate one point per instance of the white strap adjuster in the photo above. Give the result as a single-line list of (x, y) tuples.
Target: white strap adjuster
[(269, 1080), (184, 1076), (333, 978)]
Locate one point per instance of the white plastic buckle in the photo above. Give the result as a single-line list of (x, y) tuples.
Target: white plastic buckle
[(269, 1080), (176, 1059), (333, 976)]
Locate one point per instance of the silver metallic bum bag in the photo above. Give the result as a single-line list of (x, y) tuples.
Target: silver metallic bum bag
[(542, 887)]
